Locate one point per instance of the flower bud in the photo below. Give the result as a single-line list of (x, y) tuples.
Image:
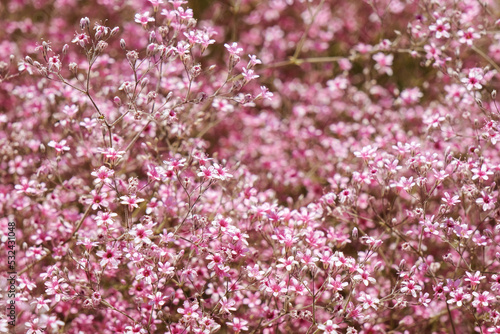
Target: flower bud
[(117, 101), (123, 45), (65, 49), (84, 23), (494, 94), (114, 31)]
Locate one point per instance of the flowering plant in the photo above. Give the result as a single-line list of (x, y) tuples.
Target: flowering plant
[(286, 166)]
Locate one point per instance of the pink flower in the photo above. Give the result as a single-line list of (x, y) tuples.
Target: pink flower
[(364, 276), (368, 301), (486, 201), (188, 310), (226, 306), (288, 263), (110, 256), (103, 175), (41, 303), (105, 218), (158, 299), (82, 39), (141, 234), (207, 173), (111, 154), (131, 201), (233, 49), (337, 284), (449, 200), (97, 200), (33, 327), (215, 259), (474, 279), (147, 274), (249, 74), (264, 93), (274, 288), (410, 287), (54, 63)]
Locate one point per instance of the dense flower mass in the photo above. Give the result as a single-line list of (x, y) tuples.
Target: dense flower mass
[(247, 166)]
